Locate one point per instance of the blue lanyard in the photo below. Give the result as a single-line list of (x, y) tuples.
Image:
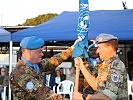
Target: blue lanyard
[(35, 66)]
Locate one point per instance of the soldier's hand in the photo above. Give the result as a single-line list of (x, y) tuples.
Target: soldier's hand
[(77, 63), (77, 96)]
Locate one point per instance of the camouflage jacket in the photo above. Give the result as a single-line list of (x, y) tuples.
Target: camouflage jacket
[(93, 71), (28, 84), (112, 79)]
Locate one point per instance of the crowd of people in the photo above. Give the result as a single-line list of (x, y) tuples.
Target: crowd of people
[(104, 76)]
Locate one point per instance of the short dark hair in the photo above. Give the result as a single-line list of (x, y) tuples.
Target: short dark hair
[(113, 43)]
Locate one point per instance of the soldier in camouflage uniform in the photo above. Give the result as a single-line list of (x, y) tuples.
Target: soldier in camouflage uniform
[(111, 82), (27, 82)]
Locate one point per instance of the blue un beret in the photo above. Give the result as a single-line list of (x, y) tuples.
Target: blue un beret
[(105, 38), (32, 42)]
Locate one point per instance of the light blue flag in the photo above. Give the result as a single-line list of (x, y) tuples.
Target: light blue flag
[(80, 48)]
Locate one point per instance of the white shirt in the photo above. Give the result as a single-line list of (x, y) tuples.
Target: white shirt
[(47, 80), (57, 80), (94, 61)]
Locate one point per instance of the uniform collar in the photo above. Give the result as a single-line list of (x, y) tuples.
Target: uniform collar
[(27, 62)]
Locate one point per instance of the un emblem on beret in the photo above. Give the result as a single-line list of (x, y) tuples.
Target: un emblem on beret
[(115, 77), (100, 39)]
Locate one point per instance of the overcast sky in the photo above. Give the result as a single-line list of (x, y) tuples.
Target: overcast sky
[(13, 12)]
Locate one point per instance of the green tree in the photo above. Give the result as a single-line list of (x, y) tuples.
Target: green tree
[(38, 20)]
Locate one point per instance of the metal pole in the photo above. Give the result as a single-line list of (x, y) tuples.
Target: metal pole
[(10, 68)]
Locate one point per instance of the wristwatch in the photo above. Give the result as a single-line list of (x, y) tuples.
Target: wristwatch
[(84, 95)]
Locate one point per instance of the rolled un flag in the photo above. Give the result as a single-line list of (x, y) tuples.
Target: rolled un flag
[(80, 48)]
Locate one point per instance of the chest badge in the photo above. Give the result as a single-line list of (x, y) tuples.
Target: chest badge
[(115, 77)]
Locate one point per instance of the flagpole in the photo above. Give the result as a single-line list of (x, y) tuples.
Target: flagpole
[(76, 79), (80, 48)]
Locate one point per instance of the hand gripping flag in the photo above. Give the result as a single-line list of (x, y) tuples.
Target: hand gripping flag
[(80, 48)]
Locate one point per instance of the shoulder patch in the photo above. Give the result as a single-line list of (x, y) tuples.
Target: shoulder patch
[(29, 85), (115, 77)]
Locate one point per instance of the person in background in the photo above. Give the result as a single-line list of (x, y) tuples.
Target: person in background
[(130, 62), (4, 81), (26, 80), (49, 79), (63, 76), (111, 82), (72, 74), (93, 56), (58, 77)]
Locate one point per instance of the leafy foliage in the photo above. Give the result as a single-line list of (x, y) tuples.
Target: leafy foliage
[(38, 20)]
